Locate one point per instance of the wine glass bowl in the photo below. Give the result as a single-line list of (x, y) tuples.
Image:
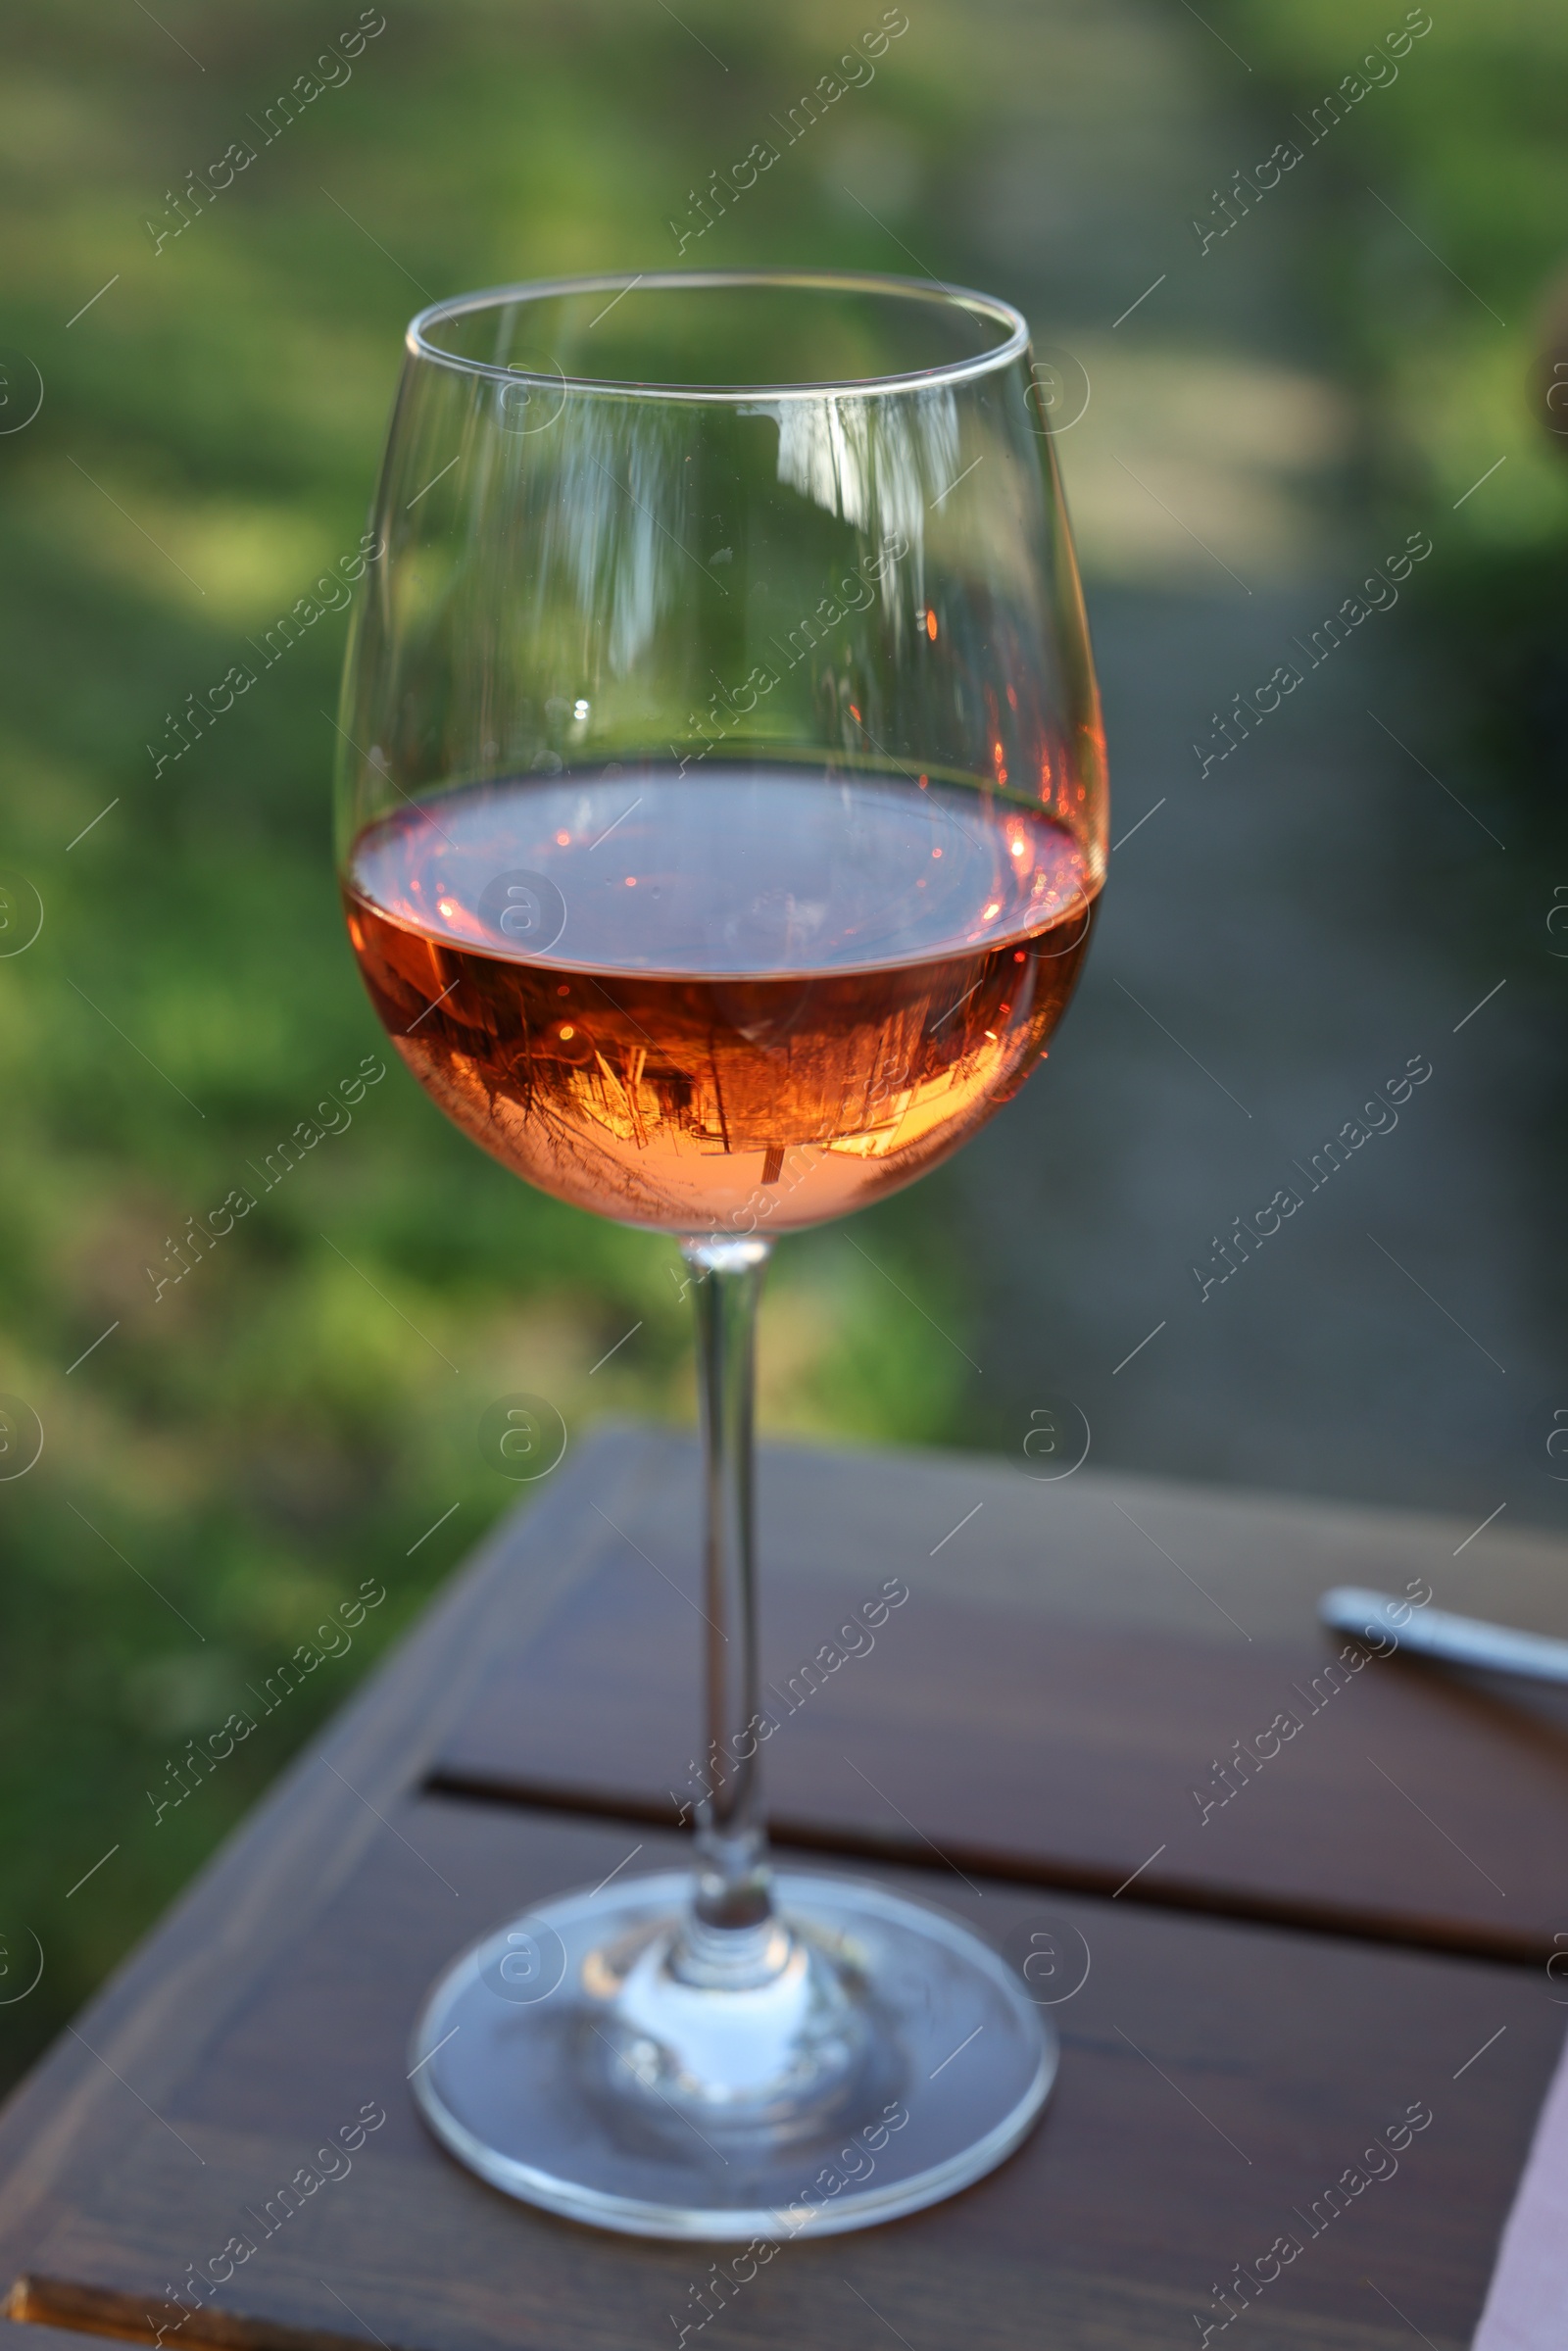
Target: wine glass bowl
[(674, 666), (721, 822)]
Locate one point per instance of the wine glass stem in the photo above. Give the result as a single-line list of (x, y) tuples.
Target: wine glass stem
[(733, 1889)]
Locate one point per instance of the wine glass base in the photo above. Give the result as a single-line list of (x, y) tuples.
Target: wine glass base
[(893, 2062)]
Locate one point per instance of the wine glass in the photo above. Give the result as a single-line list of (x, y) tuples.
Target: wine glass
[(721, 819)]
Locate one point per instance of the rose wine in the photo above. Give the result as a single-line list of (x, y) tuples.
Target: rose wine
[(755, 997)]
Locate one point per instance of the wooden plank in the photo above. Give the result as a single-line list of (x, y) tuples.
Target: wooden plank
[(1210, 2067), (1076, 1688), (1216, 2081)]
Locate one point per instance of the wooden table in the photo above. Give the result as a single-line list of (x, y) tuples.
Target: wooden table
[(1256, 1980)]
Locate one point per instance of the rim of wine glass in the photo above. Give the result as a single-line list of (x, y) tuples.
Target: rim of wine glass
[(932, 291)]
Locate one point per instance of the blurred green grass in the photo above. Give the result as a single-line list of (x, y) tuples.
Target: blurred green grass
[(243, 1450), (249, 1446)]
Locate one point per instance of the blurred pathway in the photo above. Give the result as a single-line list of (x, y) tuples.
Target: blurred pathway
[(1284, 932)]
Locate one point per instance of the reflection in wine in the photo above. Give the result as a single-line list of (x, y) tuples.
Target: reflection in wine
[(683, 1002)]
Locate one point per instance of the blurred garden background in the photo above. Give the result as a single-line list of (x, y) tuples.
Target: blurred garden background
[(1287, 379)]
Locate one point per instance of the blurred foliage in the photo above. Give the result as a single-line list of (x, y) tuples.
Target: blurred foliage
[(235, 1456), (284, 1422), (1441, 269)]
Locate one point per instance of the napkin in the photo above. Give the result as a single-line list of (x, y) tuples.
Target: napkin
[(1527, 2302)]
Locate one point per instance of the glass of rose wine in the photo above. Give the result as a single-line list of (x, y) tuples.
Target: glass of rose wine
[(721, 821)]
